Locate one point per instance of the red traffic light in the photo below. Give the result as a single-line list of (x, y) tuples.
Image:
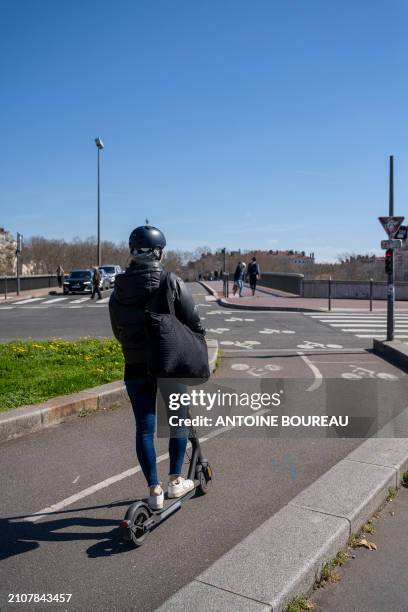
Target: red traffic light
[(389, 260)]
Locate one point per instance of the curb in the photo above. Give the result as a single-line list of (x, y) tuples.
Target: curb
[(283, 557), (30, 419), (222, 302), (394, 351)]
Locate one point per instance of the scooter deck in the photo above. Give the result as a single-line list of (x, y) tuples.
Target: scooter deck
[(169, 503)]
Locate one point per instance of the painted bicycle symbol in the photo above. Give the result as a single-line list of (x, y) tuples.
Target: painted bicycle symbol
[(234, 319), (308, 344), (276, 331), (254, 371), (246, 344), (358, 373)]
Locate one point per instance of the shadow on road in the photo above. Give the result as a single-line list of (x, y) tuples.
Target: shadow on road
[(18, 536)]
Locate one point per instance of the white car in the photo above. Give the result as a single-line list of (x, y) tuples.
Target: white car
[(111, 271)]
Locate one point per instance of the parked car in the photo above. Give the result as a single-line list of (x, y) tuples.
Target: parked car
[(111, 271), (80, 281)]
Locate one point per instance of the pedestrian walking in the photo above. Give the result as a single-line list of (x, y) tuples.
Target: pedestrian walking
[(96, 279), (140, 288), (239, 276), (60, 276), (253, 274)]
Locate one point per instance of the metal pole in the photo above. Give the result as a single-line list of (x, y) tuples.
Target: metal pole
[(391, 196), (390, 276), (5, 287), (371, 295), (225, 259), (18, 273), (330, 292), (99, 218)]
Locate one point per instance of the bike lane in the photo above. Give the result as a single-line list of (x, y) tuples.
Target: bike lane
[(77, 549)]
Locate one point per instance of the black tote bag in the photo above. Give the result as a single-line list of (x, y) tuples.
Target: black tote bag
[(173, 349)]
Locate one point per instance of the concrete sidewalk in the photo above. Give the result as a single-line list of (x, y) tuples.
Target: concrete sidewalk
[(274, 299), (375, 580), (29, 293), (283, 557)]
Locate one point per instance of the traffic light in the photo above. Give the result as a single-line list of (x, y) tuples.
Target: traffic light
[(388, 261)]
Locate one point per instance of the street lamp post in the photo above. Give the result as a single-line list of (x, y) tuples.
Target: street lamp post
[(99, 145), (19, 248), (390, 273)]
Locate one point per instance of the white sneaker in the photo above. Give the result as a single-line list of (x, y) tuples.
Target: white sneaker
[(156, 502), (181, 488)]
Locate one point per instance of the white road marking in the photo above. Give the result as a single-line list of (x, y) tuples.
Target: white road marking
[(246, 344), (104, 300), (80, 300), (75, 480), (308, 344), (338, 322), (275, 331), (219, 330), (6, 307), (210, 298), (211, 312), (37, 299), (379, 336), (359, 324), (58, 299), (317, 374), (68, 501), (240, 366), (369, 329), (272, 351), (358, 373)]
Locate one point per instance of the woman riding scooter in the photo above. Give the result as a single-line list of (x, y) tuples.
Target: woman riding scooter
[(135, 290)]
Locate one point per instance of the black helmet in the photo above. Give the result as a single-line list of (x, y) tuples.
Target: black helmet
[(146, 237)]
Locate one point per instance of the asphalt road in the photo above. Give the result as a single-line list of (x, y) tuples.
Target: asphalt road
[(76, 549), (55, 316)]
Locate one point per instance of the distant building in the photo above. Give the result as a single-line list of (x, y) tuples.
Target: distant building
[(401, 265), (7, 252)]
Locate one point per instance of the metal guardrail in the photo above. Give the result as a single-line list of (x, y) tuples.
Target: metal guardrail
[(8, 284)]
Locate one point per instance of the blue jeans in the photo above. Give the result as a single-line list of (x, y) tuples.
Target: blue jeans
[(142, 393), (240, 284)]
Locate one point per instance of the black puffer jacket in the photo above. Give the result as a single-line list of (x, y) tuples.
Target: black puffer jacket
[(136, 289)]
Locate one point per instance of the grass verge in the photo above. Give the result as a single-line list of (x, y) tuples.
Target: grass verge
[(34, 371)]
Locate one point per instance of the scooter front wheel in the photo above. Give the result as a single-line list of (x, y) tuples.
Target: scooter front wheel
[(204, 477), (133, 526)]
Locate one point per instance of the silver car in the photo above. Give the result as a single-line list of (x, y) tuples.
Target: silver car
[(111, 271)]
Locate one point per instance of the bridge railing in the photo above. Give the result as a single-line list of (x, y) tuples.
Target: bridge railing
[(34, 281)]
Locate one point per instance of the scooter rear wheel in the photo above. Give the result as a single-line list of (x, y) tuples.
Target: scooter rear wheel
[(136, 515)]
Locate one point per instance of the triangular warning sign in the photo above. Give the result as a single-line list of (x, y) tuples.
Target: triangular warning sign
[(391, 224)]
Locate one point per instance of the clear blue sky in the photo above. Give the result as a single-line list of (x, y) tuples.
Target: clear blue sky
[(256, 123)]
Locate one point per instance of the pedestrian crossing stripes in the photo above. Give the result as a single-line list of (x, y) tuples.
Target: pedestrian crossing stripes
[(57, 302), (364, 325)]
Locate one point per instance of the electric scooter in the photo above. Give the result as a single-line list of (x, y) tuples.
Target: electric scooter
[(140, 519)]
